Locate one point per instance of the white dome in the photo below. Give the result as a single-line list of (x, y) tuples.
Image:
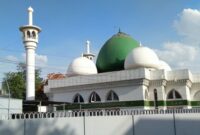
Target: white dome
[(164, 65), (81, 66), (141, 57)]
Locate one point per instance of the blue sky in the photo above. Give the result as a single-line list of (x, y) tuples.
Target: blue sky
[(67, 24)]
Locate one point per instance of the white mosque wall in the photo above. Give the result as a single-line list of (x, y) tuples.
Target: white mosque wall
[(159, 89), (129, 85), (69, 96), (116, 76), (129, 93), (195, 92), (157, 74), (188, 94), (178, 75), (145, 93), (195, 78), (63, 97), (126, 93)]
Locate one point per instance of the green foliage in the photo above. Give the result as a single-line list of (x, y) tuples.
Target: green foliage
[(16, 81)]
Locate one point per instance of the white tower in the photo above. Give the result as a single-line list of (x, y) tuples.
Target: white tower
[(88, 54), (30, 40)]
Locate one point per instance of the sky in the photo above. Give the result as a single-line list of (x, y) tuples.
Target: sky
[(169, 27)]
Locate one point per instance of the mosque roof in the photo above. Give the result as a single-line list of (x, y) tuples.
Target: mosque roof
[(53, 76), (164, 65), (81, 66), (142, 57), (113, 53)]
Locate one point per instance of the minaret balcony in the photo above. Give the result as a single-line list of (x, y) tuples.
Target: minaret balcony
[(30, 39)]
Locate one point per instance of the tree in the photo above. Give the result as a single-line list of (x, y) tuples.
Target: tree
[(17, 83)]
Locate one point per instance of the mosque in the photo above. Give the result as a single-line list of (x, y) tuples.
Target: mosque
[(126, 75)]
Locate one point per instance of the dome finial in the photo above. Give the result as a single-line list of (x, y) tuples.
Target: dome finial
[(30, 9)]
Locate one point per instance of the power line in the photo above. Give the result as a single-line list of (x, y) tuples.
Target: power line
[(3, 60), (21, 51), (41, 67)]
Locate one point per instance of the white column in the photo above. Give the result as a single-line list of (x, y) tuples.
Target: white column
[(188, 96), (30, 73), (30, 16), (30, 45)]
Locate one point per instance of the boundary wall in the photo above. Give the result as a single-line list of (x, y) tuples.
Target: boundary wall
[(130, 122)]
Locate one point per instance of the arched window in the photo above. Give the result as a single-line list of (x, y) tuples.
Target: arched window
[(173, 94), (78, 99), (33, 34), (197, 95), (28, 34), (112, 96), (94, 97)]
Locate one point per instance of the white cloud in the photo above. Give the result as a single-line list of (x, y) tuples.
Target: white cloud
[(12, 58), (188, 25), (186, 52), (40, 60), (179, 55)]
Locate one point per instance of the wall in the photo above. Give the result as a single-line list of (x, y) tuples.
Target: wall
[(154, 124), (150, 124), (125, 93), (187, 124), (109, 125), (15, 105), (52, 126)]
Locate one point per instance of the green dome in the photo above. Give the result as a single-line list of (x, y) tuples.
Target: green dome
[(113, 53)]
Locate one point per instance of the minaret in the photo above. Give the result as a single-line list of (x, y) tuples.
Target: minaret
[(88, 54), (30, 40)]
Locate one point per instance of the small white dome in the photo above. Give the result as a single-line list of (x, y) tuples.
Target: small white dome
[(81, 66), (164, 65), (141, 57)]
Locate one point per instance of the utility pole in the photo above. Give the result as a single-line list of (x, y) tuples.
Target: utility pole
[(8, 98)]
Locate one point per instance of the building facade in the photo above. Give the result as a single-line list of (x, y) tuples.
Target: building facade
[(127, 75), (139, 88)]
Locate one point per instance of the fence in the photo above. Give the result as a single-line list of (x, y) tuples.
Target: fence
[(107, 122), (58, 114)]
